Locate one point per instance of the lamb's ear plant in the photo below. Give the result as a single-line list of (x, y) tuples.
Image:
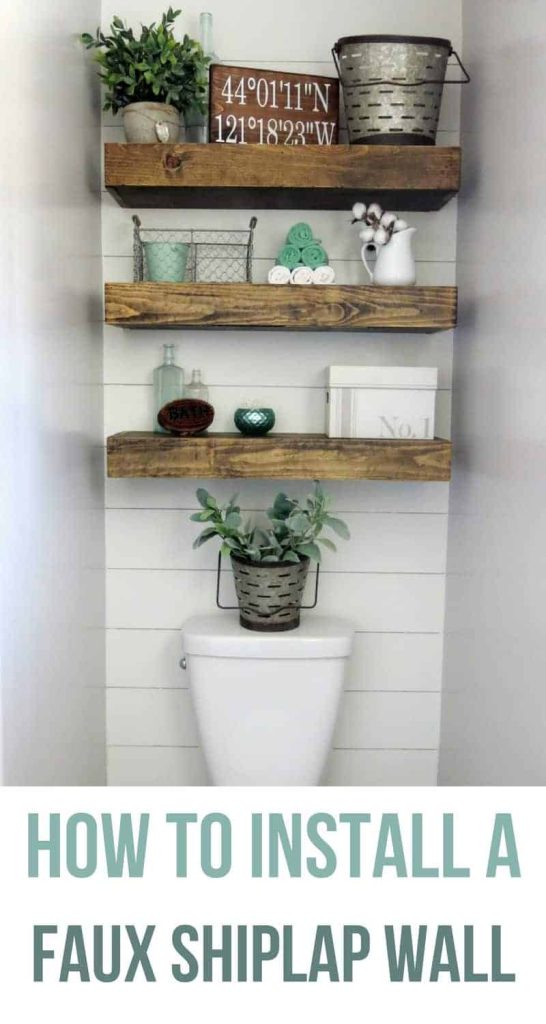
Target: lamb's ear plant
[(294, 529), (153, 66)]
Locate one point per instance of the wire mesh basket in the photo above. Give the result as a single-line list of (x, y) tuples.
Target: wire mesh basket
[(164, 254)]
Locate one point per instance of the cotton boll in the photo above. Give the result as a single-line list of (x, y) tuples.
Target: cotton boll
[(359, 211), (381, 236), (388, 219), (367, 235), (374, 213), (400, 225)]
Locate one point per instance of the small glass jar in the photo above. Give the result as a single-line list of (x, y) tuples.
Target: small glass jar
[(196, 388)]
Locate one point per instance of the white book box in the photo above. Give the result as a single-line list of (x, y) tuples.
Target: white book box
[(391, 402)]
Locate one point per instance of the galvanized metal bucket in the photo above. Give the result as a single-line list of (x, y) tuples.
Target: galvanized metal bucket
[(392, 87), (270, 595)]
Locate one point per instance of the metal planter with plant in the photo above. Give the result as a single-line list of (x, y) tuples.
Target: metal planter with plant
[(270, 562), (152, 78)]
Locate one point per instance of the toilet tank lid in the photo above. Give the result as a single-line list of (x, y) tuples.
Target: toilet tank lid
[(222, 636)]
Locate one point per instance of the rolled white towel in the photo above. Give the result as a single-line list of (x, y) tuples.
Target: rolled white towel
[(301, 275), (278, 275), (324, 275)]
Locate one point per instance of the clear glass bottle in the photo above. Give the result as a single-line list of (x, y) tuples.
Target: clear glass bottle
[(168, 384), (197, 124), (205, 28), (196, 388)]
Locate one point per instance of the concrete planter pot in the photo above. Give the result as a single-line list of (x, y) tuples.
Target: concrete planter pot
[(151, 122), (269, 595)]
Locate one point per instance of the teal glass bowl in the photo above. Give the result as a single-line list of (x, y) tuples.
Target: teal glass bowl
[(254, 421)]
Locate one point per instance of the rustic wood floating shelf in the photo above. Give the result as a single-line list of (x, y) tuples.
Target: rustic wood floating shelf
[(280, 456), (280, 307), (281, 177)]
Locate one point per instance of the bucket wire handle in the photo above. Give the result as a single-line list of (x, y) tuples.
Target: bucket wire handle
[(224, 607), (406, 85), (235, 607), (458, 81)]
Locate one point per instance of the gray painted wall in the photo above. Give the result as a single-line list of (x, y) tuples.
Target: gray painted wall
[(51, 507), (494, 707)]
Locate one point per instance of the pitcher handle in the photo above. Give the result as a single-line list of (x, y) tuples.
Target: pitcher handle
[(364, 260)]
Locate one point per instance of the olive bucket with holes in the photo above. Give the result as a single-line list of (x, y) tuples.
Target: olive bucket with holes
[(270, 594), (392, 87)]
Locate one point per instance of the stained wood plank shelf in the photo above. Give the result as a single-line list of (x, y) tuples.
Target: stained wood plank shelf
[(280, 456), (282, 307), (281, 177)]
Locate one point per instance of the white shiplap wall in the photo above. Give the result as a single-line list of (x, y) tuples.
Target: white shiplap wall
[(390, 578)]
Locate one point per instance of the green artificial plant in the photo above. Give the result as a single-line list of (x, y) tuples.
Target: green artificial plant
[(292, 533), (151, 67)]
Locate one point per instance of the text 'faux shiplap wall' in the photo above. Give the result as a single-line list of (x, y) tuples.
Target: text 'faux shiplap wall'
[(390, 578)]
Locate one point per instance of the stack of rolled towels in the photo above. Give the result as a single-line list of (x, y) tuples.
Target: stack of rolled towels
[(302, 260)]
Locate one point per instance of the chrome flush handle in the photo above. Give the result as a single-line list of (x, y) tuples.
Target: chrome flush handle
[(183, 664)]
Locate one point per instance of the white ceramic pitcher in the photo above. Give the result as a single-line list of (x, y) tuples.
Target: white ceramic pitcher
[(395, 264)]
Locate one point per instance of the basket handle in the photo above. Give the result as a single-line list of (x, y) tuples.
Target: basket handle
[(235, 607), (424, 81), (458, 81), (224, 607)]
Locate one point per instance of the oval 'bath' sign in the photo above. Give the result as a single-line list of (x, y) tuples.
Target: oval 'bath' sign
[(186, 416)]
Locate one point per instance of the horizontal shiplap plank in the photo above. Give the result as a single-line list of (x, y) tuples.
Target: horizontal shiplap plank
[(185, 766), (391, 497), (149, 539), (156, 766), (297, 409), (149, 658), (150, 718), (395, 661), (382, 768), (435, 238), (374, 602), (388, 720), (429, 272), (281, 358), (286, 38), (145, 657), (154, 718)]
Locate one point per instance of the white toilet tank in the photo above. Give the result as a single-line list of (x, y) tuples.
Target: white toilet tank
[(266, 703)]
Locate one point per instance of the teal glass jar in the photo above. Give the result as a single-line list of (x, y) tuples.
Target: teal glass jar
[(254, 422), (166, 261)]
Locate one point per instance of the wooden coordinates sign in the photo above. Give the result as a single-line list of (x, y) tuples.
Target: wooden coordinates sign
[(272, 108)]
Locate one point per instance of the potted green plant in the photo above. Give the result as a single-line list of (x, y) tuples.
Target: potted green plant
[(270, 562), (152, 78)]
